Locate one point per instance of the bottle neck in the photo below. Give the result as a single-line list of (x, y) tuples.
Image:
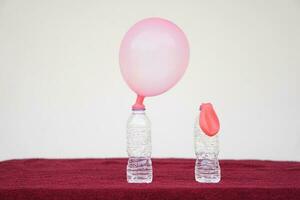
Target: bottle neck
[(138, 112)]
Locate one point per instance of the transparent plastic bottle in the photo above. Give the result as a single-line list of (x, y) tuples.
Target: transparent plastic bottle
[(207, 168), (139, 167)]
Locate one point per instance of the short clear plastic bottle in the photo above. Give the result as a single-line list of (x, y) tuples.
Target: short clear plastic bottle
[(139, 167), (207, 168)]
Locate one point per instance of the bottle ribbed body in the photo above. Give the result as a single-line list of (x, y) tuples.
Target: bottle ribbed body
[(139, 167)]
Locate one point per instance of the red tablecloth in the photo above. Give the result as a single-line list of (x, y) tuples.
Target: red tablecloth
[(86, 179)]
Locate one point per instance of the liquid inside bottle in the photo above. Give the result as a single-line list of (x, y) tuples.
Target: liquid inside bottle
[(139, 167), (207, 168)]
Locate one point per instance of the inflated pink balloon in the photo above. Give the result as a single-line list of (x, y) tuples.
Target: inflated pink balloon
[(154, 55)]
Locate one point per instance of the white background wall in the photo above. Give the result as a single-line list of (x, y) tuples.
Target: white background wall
[(62, 94)]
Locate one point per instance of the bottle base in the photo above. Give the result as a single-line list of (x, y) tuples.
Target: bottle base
[(207, 171), (139, 170), (207, 180)]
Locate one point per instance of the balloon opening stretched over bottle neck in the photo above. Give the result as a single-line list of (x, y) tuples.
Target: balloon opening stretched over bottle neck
[(139, 104), (205, 105)]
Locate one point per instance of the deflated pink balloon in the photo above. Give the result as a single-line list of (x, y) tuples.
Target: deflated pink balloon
[(209, 121), (154, 55)]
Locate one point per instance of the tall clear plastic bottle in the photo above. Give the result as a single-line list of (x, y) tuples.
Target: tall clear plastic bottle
[(206, 143), (139, 167)]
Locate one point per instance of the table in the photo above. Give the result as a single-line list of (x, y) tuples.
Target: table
[(86, 179)]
